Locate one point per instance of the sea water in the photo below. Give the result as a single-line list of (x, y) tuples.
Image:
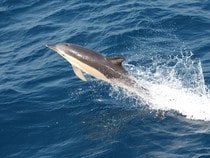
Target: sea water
[(46, 111)]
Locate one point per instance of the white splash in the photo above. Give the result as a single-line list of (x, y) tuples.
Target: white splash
[(193, 106), (177, 84)]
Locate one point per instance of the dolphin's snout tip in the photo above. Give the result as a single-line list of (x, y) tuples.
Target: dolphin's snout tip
[(48, 45), (51, 47)]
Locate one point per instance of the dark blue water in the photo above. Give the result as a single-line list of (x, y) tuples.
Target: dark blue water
[(46, 111)]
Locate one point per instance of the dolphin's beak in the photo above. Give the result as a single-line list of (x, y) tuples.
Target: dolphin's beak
[(51, 47)]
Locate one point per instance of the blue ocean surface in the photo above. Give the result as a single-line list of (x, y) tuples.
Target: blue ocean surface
[(47, 111)]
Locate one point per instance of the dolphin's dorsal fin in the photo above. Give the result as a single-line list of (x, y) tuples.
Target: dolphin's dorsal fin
[(116, 60), (79, 73)]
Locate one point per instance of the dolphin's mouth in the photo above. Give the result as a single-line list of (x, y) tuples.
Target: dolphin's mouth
[(51, 47)]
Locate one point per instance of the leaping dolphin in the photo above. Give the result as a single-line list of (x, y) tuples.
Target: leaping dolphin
[(96, 65)]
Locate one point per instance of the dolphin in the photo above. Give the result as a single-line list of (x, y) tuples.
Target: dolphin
[(96, 65)]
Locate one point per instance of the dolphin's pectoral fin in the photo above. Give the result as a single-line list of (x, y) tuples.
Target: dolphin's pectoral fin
[(79, 73), (116, 60)]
